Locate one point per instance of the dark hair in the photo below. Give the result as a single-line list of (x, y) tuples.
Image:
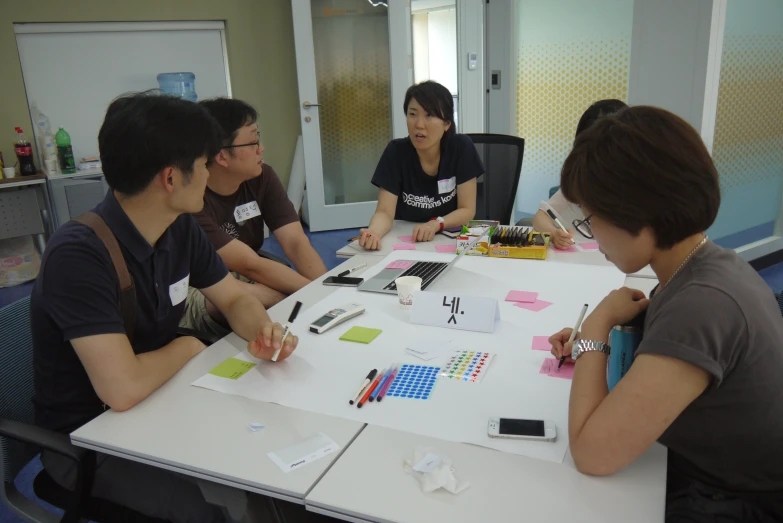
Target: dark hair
[(231, 115), (599, 109), (143, 133), (644, 166), (435, 99)]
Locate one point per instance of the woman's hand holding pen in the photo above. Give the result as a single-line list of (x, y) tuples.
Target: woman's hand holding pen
[(369, 240), (269, 340), (560, 344), (561, 239)]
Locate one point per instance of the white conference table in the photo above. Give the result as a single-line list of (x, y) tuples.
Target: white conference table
[(204, 434), (403, 228)]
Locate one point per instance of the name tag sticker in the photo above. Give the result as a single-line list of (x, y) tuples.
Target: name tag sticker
[(246, 211), (179, 291), (445, 186)]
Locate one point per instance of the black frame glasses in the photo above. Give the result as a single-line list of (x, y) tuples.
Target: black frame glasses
[(583, 227), (252, 144)]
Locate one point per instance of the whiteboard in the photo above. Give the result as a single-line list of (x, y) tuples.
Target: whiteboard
[(74, 71)]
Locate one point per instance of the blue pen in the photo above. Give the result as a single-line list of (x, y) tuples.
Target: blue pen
[(381, 383)]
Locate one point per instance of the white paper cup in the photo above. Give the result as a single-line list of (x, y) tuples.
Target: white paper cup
[(406, 286), (9, 172)]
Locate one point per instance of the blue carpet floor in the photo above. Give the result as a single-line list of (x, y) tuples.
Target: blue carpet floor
[(326, 244)]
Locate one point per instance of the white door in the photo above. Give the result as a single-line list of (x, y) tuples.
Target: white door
[(354, 66)]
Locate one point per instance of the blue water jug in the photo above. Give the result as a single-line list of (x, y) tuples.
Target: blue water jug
[(182, 85)]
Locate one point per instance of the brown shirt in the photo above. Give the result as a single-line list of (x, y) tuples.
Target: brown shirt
[(720, 316), (241, 216)]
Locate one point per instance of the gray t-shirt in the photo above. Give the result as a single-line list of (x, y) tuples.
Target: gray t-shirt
[(720, 316)]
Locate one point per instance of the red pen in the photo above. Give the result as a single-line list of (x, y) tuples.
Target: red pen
[(369, 391)]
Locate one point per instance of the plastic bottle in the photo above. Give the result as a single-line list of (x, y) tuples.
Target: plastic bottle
[(43, 133), (182, 85), (65, 152), (24, 153)]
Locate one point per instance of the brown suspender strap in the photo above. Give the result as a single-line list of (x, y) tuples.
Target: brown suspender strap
[(127, 290)]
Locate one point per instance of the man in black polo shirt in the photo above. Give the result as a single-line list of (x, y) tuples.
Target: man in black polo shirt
[(154, 151)]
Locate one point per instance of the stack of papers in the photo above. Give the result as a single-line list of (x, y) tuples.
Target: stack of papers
[(429, 349)]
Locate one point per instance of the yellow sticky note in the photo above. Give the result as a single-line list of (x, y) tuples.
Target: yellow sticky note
[(232, 369), (360, 334)]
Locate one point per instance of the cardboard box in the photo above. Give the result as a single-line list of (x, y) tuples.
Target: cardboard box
[(477, 228)]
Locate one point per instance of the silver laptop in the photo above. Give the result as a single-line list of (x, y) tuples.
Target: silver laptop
[(428, 271)]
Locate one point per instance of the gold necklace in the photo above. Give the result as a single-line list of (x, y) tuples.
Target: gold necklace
[(687, 258)]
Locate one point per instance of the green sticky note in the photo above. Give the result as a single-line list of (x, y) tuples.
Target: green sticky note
[(360, 334), (232, 369)]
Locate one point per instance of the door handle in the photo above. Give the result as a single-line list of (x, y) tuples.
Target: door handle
[(308, 105)]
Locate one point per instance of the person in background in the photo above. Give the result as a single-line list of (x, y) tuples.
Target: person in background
[(569, 213), (706, 379), (428, 177), (243, 193), (154, 150)]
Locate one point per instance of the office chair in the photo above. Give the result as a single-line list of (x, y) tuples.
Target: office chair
[(497, 187), (20, 439)]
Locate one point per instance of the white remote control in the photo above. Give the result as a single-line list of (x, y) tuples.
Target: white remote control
[(335, 317)]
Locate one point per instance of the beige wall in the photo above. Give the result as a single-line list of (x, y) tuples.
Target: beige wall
[(260, 52)]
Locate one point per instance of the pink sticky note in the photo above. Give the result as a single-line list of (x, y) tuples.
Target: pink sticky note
[(404, 247), (590, 246), (541, 343), (406, 239), (570, 249), (400, 264), (546, 367), (522, 296), (537, 306), (450, 248), (566, 371)]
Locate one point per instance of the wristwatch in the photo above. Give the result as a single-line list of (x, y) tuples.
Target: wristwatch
[(582, 346), (440, 221)]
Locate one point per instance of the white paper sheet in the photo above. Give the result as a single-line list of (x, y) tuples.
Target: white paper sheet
[(323, 373)]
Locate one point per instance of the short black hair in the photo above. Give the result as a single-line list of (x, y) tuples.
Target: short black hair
[(597, 110), (231, 115), (435, 99), (644, 167), (143, 133)]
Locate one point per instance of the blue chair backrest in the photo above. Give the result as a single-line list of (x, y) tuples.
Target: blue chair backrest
[(16, 381), (553, 190)]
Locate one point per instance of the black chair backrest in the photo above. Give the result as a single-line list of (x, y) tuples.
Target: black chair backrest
[(497, 188), (16, 382)]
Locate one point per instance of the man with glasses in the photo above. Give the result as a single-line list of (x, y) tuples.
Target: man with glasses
[(242, 195)]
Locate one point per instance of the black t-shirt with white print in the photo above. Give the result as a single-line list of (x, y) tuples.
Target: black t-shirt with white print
[(421, 197)]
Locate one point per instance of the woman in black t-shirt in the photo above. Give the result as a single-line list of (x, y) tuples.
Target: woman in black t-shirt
[(428, 177)]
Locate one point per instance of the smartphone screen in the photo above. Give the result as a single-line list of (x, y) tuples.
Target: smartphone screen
[(348, 282), (521, 427)]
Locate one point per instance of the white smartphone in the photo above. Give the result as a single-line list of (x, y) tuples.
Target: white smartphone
[(533, 429)]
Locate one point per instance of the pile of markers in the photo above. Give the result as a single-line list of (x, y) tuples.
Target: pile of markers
[(374, 386)]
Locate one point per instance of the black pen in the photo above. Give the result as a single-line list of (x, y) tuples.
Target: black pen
[(287, 329), (573, 333), (366, 382)]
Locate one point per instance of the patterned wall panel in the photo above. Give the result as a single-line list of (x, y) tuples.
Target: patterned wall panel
[(555, 84), (748, 146), (352, 70)]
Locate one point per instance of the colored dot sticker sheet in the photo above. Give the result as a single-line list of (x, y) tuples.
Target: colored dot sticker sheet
[(414, 382), (467, 365)]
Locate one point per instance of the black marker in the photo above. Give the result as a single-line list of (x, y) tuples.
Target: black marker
[(557, 222), (287, 329)]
